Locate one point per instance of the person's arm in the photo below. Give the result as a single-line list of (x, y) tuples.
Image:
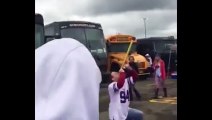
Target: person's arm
[(115, 86), (120, 82), (150, 61)]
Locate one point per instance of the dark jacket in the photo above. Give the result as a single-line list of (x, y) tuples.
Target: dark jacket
[(134, 66)]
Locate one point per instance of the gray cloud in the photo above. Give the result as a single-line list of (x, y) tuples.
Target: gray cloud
[(101, 7), (118, 6), (159, 23), (117, 16)]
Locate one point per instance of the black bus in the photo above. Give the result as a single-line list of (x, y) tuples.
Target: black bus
[(160, 45), (88, 33), (39, 30)]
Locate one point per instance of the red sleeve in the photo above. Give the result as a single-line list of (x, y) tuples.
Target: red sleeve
[(134, 75), (163, 70), (120, 82)]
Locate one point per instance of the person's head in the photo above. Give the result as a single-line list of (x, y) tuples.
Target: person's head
[(115, 76), (147, 55), (157, 58), (115, 67), (131, 59)]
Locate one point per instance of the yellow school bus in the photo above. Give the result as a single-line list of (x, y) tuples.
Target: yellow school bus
[(117, 46)]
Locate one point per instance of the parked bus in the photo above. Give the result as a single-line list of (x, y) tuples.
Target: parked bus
[(88, 33), (117, 50), (162, 46), (39, 30)]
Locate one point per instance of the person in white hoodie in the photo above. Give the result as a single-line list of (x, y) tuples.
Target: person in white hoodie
[(66, 82)]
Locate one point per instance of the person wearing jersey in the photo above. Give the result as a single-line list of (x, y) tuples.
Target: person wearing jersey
[(160, 76), (119, 95), (62, 89)]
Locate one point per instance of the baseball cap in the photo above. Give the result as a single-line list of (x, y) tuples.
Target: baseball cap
[(147, 55)]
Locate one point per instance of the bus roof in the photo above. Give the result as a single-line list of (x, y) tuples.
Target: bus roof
[(120, 38), (157, 38), (119, 35), (76, 22)]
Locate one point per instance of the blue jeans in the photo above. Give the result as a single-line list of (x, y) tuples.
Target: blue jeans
[(134, 114)]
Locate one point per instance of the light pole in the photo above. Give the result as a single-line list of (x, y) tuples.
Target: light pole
[(145, 26)]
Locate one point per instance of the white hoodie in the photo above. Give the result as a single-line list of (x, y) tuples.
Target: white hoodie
[(66, 82)]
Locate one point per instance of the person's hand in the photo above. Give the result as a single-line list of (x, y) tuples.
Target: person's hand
[(121, 70), (127, 66), (124, 66), (157, 66)]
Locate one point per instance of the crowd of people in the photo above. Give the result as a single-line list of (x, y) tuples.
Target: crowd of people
[(67, 86)]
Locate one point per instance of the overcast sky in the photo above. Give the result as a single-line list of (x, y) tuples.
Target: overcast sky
[(116, 16)]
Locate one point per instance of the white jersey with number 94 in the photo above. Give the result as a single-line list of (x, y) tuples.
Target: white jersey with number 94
[(119, 100)]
